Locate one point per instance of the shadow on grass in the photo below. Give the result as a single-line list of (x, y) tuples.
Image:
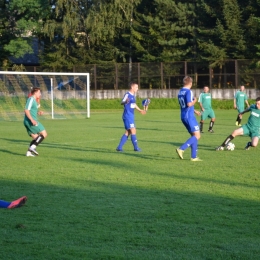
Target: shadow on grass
[(12, 153), (174, 174), (90, 219)]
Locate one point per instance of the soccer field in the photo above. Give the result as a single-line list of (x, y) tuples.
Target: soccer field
[(87, 201)]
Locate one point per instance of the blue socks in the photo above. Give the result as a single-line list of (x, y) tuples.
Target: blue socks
[(193, 143), (194, 149), (134, 141), (122, 142), (124, 139), (4, 204)]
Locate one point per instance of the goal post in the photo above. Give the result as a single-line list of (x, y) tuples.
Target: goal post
[(64, 95)]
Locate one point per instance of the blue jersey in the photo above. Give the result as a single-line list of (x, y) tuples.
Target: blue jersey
[(146, 102), (129, 107), (185, 96)]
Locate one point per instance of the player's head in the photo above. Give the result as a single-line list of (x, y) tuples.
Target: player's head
[(206, 89), (36, 92), (133, 87), (242, 88), (257, 102), (187, 81)]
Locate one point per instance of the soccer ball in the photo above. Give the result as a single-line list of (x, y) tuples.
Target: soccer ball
[(230, 147)]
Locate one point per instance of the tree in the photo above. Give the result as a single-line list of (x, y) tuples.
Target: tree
[(163, 30), (23, 21)]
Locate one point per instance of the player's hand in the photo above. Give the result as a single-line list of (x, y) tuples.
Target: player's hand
[(235, 107), (198, 113), (143, 112), (40, 113), (34, 122)]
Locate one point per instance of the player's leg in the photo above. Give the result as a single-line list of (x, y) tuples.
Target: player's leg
[(203, 117), (212, 121), (123, 140), (4, 204), (14, 204), (194, 147), (239, 131), (134, 139), (29, 153), (253, 143), (211, 124), (124, 137), (201, 125), (17, 203), (239, 117), (42, 134), (193, 128)]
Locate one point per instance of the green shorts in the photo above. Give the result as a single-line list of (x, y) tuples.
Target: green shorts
[(207, 113), (33, 129), (251, 131)]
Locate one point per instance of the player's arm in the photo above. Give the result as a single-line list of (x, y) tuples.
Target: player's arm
[(192, 103), (235, 102), (28, 114), (140, 110), (247, 104), (125, 100), (40, 113), (196, 112), (245, 111), (201, 107)]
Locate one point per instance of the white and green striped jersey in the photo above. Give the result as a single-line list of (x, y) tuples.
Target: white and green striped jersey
[(31, 105)]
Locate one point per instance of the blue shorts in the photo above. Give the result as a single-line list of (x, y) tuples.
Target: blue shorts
[(191, 124), (129, 123)]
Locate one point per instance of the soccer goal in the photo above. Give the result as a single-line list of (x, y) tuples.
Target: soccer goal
[(64, 95)]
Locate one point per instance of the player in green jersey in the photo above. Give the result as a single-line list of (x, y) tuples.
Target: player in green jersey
[(240, 99), (206, 109), (34, 128), (251, 128)]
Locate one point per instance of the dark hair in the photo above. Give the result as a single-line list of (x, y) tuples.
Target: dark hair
[(132, 83), (33, 90), (257, 99)]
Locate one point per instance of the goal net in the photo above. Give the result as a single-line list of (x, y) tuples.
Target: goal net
[(63, 95)]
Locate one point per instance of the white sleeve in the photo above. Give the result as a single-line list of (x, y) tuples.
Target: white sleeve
[(125, 97), (200, 97)]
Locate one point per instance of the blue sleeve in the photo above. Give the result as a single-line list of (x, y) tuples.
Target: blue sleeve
[(188, 96)]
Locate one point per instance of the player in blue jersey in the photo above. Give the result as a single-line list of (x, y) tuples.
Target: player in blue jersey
[(128, 117), (187, 101), (13, 204), (145, 103)]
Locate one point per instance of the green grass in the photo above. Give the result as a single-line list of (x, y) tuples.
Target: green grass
[(86, 201)]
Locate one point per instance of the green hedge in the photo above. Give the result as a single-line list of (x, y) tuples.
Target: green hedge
[(159, 103), (104, 104)]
